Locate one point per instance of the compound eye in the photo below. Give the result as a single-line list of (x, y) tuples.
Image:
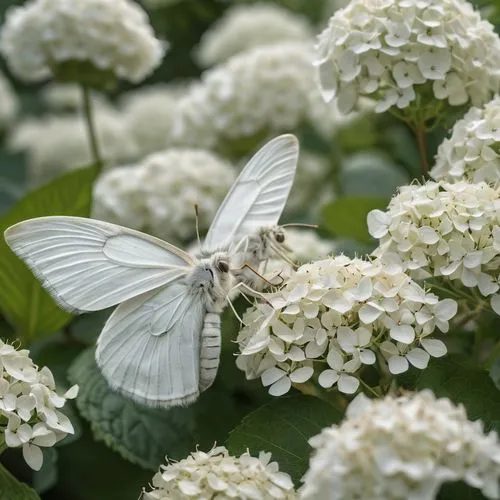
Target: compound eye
[(223, 266), (280, 237)]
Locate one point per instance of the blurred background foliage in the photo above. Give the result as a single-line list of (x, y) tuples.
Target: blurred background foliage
[(119, 444)]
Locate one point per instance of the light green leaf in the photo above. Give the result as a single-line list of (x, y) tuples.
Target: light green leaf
[(452, 377), (22, 299), (12, 489), (283, 427), (346, 216), (140, 434)]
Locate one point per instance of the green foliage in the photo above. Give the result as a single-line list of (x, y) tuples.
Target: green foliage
[(495, 373), (283, 427), (22, 299), (346, 217), (140, 434), (12, 489), (454, 378)]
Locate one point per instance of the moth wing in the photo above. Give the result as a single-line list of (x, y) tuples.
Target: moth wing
[(149, 349), (259, 194), (88, 265)]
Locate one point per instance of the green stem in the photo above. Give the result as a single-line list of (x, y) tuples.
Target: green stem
[(3, 446), (370, 389), (419, 131), (91, 129)]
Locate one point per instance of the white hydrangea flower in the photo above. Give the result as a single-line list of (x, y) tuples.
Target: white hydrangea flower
[(392, 50), (149, 115), (9, 104), (444, 230), (159, 195), (245, 27), (29, 406), (471, 152), (401, 448), (333, 316), (269, 89), (58, 143), (68, 97), (306, 245), (217, 474), (113, 36)]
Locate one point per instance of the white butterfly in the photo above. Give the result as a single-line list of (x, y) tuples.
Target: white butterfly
[(161, 345)]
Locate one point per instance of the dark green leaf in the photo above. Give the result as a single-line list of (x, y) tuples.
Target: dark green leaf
[(283, 427), (495, 373), (452, 377), (371, 174), (459, 491), (22, 299), (140, 434), (12, 489), (346, 217)]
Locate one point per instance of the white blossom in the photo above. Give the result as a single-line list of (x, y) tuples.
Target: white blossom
[(217, 474), (394, 50), (113, 36), (149, 115), (9, 103), (68, 97), (401, 448), (443, 230), (245, 27), (58, 143), (29, 406), (159, 194), (269, 89), (471, 152), (306, 245), (333, 316)]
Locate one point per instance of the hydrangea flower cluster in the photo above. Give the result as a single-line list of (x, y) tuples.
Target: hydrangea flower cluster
[(29, 406), (394, 50), (245, 27), (41, 37), (401, 447), (216, 474), (9, 104), (471, 152), (149, 115), (269, 89), (333, 316), (57, 143), (445, 230), (159, 195), (306, 245)]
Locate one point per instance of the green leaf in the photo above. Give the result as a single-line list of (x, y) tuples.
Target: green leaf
[(140, 434), (452, 377), (495, 373), (346, 217), (22, 299), (12, 489), (283, 427), (371, 173)]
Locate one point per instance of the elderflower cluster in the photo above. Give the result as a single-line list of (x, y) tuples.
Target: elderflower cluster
[(216, 474), (159, 195), (332, 316), (401, 447), (245, 27), (44, 38), (394, 50), (58, 143), (444, 230), (9, 104), (471, 153), (265, 90), (149, 115), (29, 406)]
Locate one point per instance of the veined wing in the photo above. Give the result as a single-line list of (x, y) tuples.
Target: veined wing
[(88, 265), (259, 194), (149, 349)]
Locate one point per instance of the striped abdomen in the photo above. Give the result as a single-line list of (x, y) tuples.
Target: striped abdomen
[(209, 350)]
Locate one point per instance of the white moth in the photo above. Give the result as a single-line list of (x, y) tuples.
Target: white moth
[(161, 345)]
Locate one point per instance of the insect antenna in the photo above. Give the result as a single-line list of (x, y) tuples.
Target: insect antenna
[(229, 301), (301, 224), (197, 223)]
